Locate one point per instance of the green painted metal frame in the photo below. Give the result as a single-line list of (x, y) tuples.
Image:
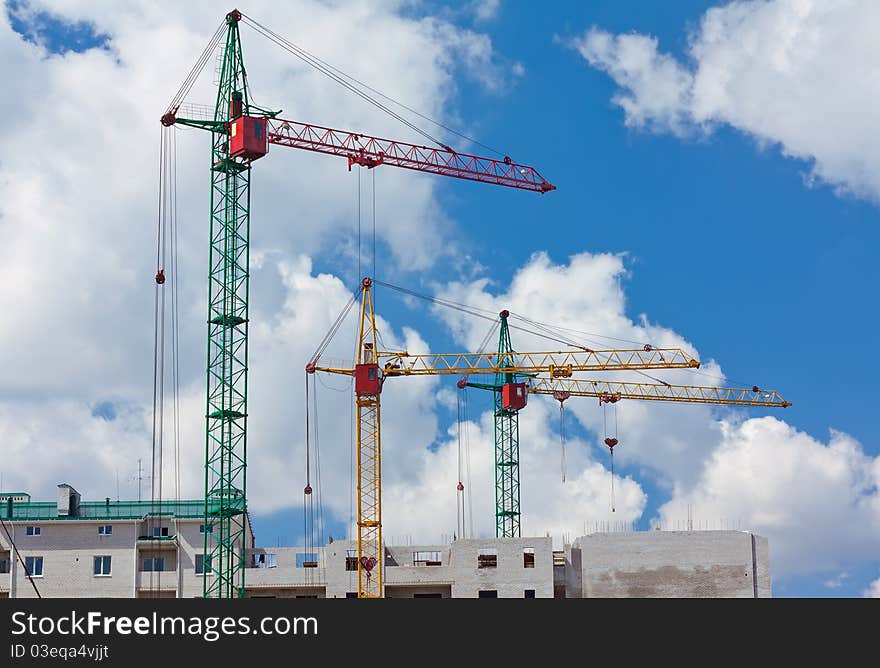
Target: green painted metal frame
[(507, 513), (228, 283), (507, 496)]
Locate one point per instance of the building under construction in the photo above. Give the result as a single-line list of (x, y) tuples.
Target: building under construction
[(205, 547), (125, 549)]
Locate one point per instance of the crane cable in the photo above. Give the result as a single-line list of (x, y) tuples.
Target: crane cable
[(485, 314), (316, 64), (328, 337), (159, 310), (196, 70), (317, 451), (561, 397), (166, 258), (459, 489), (347, 76), (308, 513), (464, 498), (313, 522), (610, 441)]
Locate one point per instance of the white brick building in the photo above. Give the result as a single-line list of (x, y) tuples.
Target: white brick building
[(134, 549)]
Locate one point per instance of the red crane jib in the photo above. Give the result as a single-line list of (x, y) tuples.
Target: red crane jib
[(366, 151)]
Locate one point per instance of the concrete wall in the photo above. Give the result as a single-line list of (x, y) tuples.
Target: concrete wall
[(649, 564), (68, 548), (458, 575), (644, 564)]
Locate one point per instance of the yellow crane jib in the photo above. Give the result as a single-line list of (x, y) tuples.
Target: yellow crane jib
[(613, 391), (559, 363)]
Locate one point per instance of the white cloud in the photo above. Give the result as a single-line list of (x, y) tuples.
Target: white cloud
[(586, 295), (78, 207), (485, 10), (424, 505), (873, 590), (818, 503), (799, 74), (837, 581)]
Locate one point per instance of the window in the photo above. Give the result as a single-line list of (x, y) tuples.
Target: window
[(487, 557), (351, 594), (426, 558), (4, 565), (488, 593), (265, 560), (105, 530), (153, 565), (102, 565), (203, 564), (33, 566), (160, 532), (529, 593), (206, 528), (351, 561), (306, 560), (528, 557), (33, 531)]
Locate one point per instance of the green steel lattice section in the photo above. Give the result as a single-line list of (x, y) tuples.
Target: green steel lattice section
[(507, 513), (226, 415)]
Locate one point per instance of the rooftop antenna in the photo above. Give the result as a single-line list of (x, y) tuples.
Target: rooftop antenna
[(139, 476)]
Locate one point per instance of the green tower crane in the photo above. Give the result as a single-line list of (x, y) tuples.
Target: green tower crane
[(509, 398), (229, 274)]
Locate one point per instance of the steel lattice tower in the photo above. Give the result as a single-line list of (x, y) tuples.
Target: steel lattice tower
[(226, 414), (507, 514)]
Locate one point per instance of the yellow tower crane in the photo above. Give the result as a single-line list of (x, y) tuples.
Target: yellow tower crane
[(372, 367)]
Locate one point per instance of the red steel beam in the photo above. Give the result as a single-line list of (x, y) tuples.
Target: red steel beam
[(366, 151)]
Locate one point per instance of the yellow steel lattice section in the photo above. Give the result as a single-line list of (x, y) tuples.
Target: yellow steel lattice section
[(371, 563), (369, 498), (559, 364), (610, 390)]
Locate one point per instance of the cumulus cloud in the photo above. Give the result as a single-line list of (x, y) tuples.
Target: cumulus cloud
[(485, 10), (873, 591), (425, 504), (817, 502), (586, 296), (797, 74), (77, 211)]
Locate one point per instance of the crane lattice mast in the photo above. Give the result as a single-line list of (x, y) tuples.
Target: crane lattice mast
[(507, 404)]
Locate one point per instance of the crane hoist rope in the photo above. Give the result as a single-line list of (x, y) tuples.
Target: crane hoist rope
[(610, 441), (165, 276), (561, 397)]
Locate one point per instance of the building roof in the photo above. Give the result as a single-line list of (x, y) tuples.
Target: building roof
[(102, 510)]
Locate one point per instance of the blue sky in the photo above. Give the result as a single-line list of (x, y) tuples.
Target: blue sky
[(725, 240)]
